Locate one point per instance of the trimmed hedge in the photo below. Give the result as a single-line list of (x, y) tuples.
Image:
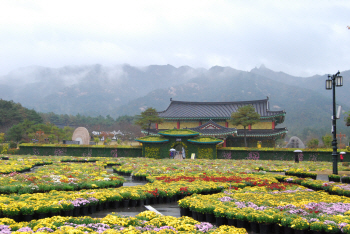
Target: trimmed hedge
[(281, 155), (81, 151)]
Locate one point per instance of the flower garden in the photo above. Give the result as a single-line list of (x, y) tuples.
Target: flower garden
[(57, 194)]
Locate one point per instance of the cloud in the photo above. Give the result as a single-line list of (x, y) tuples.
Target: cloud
[(297, 37)]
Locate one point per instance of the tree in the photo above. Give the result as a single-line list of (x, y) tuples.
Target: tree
[(245, 116), (16, 132), (2, 137), (327, 140), (313, 143), (347, 119), (147, 117)]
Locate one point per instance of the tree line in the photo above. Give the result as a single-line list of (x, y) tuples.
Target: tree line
[(20, 124)]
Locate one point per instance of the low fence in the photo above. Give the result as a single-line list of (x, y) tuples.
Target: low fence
[(281, 155), (81, 151), (136, 151)]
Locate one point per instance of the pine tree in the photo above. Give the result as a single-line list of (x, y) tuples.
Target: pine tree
[(147, 117), (245, 115)]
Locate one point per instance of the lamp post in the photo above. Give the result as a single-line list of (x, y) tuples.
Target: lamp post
[(331, 83)]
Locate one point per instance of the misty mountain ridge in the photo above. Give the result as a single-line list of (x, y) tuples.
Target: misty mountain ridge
[(123, 89)]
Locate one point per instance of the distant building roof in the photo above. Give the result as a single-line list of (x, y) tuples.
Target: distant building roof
[(262, 132), (216, 110), (211, 128)]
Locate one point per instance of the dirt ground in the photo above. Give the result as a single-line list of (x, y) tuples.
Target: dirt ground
[(329, 172)]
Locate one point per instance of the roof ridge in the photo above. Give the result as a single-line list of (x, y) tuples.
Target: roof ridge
[(206, 103)]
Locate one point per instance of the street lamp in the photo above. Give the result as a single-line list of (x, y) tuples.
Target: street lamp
[(331, 83)]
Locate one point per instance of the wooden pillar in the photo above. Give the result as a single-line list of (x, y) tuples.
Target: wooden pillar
[(224, 142), (226, 124), (157, 126), (273, 124), (178, 124), (249, 127), (199, 123)]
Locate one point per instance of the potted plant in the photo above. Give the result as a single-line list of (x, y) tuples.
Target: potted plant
[(333, 177), (301, 225), (114, 201), (55, 209), (219, 213), (67, 207), (42, 211), (27, 212), (135, 196), (265, 221), (318, 227), (286, 222), (184, 205), (126, 198)]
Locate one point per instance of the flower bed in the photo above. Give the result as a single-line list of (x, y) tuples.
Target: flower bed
[(293, 207), (146, 222), (60, 176), (249, 195)]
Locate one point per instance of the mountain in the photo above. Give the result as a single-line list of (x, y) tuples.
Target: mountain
[(88, 90), (97, 90), (306, 109)]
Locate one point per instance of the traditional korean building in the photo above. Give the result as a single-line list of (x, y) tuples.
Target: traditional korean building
[(213, 119)]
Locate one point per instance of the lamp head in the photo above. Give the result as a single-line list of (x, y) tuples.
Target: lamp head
[(328, 84), (338, 81)]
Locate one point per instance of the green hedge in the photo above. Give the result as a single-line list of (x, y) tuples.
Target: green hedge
[(81, 151), (255, 154)]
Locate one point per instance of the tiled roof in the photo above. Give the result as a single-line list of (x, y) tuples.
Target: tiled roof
[(262, 132), (239, 133), (211, 128), (214, 110)]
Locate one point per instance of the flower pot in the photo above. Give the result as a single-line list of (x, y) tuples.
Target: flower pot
[(194, 215), (184, 211), (57, 213), (288, 230), (65, 213), (141, 202), (84, 211), (175, 197), (147, 201), (265, 228), (201, 217), (16, 218), (232, 222), (221, 221), (76, 211), (189, 212), (27, 218), (254, 226), (243, 224), (42, 215), (106, 205), (133, 203), (99, 207), (317, 232), (300, 231), (114, 204), (277, 229), (92, 209), (126, 203), (154, 200), (210, 218), (160, 200), (168, 200)]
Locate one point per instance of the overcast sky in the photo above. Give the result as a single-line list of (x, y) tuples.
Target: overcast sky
[(297, 37)]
